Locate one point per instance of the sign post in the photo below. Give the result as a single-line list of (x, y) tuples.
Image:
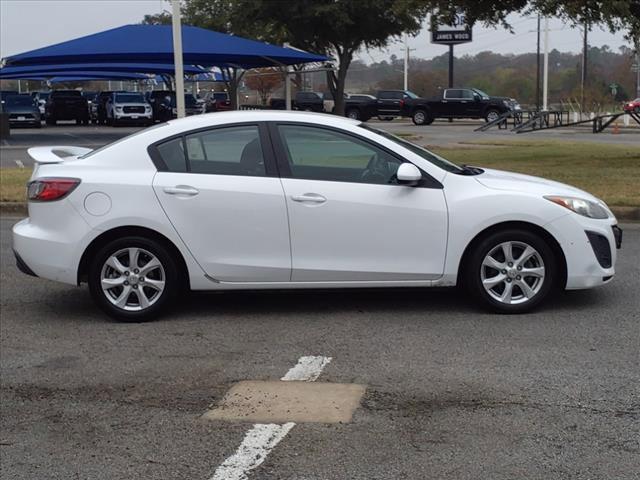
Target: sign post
[(455, 33)]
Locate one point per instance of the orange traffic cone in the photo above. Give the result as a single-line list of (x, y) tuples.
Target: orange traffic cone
[(616, 129)]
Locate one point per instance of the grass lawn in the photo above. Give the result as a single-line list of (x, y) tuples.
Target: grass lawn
[(13, 183), (611, 172)]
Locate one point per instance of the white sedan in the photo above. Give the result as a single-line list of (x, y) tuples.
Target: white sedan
[(275, 200)]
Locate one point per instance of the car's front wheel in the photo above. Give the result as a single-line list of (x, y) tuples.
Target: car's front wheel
[(511, 271), (492, 115), (133, 278)]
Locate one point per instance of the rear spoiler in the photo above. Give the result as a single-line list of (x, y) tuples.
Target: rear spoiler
[(56, 154)]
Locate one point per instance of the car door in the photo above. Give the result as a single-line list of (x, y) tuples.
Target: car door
[(349, 219), (220, 190), (453, 103), (389, 103), (469, 107)]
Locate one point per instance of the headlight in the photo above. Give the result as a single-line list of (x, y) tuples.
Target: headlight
[(583, 207)]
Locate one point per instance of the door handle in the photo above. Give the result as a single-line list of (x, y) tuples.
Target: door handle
[(181, 190), (309, 197)]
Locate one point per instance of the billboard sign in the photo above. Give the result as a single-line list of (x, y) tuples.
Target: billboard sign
[(458, 31)]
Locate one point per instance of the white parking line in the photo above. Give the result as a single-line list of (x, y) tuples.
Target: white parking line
[(308, 369), (262, 438)]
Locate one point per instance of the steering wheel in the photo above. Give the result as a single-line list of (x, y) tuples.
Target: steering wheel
[(376, 171)]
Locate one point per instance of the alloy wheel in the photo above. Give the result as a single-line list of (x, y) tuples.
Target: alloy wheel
[(132, 279), (512, 272)]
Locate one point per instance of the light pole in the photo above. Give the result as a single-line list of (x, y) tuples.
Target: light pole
[(177, 56), (545, 78), (406, 62)]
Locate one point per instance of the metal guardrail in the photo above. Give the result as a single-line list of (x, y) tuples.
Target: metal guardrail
[(525, 121), (548, 120)]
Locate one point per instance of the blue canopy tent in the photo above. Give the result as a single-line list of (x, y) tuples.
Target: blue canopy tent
[(137, 68), (55, 77), (154, 44)]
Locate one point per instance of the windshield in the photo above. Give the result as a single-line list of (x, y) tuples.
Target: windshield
[(19, 101), (480, 92), (410, 94), (418, 150), (129, 98)]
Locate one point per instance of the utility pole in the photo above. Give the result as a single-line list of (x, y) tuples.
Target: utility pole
[(287, 85), (538, 68), (584, 66), (545, 79), (406, 61), (177, 56), (450, 66)]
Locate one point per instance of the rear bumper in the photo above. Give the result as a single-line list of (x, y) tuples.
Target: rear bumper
[(22, 266), (51, 248)]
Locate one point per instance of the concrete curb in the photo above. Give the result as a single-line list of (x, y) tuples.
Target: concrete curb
[(621, 213)]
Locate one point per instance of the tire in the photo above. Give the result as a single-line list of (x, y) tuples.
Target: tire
[(636, 110), (353, 114), (491, 115), (529, 280), (129, 307), (421, 117)]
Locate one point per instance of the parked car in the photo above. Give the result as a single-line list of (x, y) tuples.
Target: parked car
[(632, 106), (357, 109), (390, 102), (217, 102), (458, 103), (66, 105), (163, 105), (6, 93), (209, 203), (23, 110), (41, 99), (307, 101), (98, 110), (128, 107)]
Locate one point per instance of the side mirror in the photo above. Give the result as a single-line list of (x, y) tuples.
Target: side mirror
[(408, 174)]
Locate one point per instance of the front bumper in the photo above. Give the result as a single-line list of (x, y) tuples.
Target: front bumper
[(584, 254)]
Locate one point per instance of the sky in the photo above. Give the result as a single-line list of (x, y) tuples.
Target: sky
[(29, 24)]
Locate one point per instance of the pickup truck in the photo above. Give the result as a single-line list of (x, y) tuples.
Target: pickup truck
[(358, 107), (457, 103), (66, 105)]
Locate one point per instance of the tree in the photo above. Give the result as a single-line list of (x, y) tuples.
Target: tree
[(337, 28), (264, 81)]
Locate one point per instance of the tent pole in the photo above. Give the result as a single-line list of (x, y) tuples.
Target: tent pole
[(177, 56)]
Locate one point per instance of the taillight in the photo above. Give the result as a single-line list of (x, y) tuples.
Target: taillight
[(401, 103), (50, 189)]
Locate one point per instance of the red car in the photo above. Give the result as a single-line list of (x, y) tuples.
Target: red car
[(632, 106), (217, 101)]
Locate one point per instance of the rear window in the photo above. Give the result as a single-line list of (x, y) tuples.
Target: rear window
[(390, 95), (66, 93)]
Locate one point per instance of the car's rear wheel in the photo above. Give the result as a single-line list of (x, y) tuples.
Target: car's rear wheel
[(421, 117), (353, 113), (511, 271), (133, 278)]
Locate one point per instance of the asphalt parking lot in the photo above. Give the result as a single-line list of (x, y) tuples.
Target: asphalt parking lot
[(451, 392), (441, 133)]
